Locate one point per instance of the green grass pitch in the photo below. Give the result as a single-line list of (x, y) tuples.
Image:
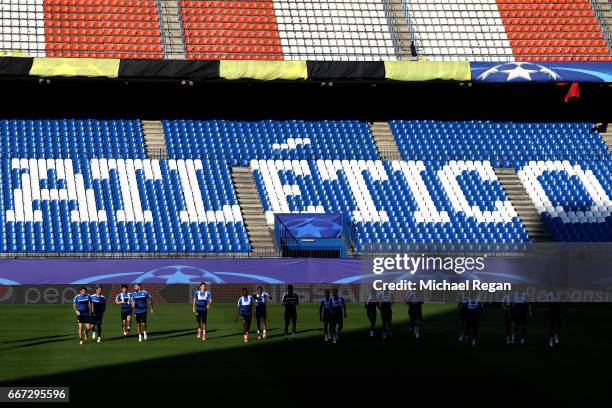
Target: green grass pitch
[(38, 346)]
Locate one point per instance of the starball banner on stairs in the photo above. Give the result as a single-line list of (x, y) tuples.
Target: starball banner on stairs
[(509, 72)]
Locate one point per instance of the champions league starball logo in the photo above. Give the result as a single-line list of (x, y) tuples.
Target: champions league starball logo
[(519, 71), (178, 274)]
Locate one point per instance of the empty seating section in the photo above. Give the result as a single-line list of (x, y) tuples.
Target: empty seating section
[(564, 167), (336, 30), (573, 199), (459, 30), (505, 144), (79, 186), (395, 201), (22, 28), (287, 29), (339, 30), (558, 30), (231, 30), (86, 186), (102, 28)]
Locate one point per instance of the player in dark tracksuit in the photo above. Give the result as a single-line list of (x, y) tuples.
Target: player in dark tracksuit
[(261, 299), (415, 314), (339, 312), (290, 301), (554, 317), (506, 303), (371, 306), (98, 307), (520, 310), (326, 315), (473, 311), (462, 308), (385, 303)]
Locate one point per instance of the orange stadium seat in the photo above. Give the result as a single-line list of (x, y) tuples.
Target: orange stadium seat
[(558, 30), (102, 29)]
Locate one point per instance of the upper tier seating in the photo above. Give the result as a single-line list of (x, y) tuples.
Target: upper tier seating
[(231, 30), (564, 167), (102, 28), (561, 30), (507, 30), (459, 30), (287, 29)]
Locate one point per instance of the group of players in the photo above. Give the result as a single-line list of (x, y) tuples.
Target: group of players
[(90, 309), (332, 312)]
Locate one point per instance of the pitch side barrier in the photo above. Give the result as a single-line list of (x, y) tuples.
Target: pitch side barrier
[(440, 273)]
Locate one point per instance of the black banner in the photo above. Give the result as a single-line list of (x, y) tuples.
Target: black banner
[(15, 66), (177, 69), (345, 70)]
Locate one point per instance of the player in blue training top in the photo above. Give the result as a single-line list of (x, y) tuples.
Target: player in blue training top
[(202, 300), (326, 315), (140, 303), (98, 307), (82, 308), (261, 299), (339, 313), (245, 312), (124, 298)]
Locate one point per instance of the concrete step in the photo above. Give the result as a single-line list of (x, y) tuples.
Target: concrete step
[(260, 234), (172, 29), (400, 29), (383, 137), (155, 138), (522, 205)]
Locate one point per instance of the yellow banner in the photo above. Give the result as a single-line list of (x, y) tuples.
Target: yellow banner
[(67, 67), (427, 70), (263, 70)]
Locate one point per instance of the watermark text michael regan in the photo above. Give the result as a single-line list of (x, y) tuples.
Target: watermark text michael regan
[(443, 285), (413, 264)]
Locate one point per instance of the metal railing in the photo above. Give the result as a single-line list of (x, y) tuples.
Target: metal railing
[(605, 29)]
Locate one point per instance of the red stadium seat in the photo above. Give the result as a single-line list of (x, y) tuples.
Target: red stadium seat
[(557, 30), (102, 28), (230, 29)]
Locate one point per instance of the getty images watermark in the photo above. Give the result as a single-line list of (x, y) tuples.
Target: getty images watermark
[(437, 273)]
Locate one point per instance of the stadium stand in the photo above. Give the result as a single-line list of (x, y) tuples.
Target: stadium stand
[(508, 30), (105, 29), (88, 186), (459, 30), (288, 29), (339, 30), (564, 167)]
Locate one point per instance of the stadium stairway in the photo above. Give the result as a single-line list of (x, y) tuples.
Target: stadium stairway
[(607, 137), (401, 30), (605, 8), (257, 228), (155, 139), (172, 29), (385, 142), (523, 205)]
